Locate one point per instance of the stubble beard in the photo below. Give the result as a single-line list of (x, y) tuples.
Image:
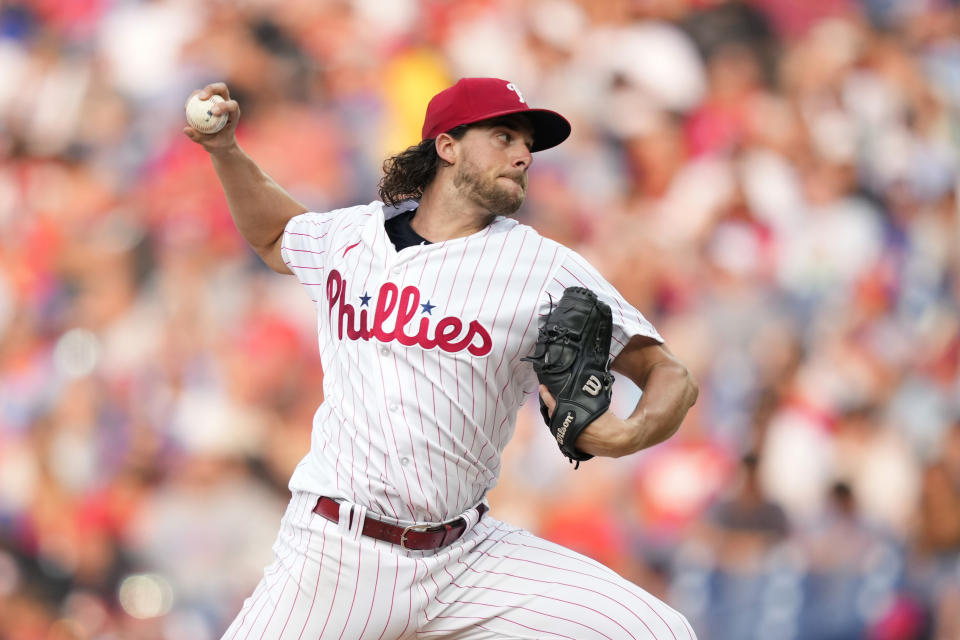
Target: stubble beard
[(487, 192)]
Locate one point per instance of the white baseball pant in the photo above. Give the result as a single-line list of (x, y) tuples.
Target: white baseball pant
[(496, 581)]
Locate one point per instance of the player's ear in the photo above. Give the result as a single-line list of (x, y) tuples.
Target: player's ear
[(447, 147)]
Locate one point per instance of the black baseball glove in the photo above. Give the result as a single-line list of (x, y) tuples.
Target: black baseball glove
[(572, 359)]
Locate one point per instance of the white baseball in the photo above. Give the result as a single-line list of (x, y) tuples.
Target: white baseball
[(201, 118)]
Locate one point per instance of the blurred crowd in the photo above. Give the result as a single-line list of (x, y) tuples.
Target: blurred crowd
[(773, 183)]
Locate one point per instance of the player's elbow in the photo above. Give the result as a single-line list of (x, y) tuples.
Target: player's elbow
[(272, 256), (676, 381), (675, 392), (691, 388), (687, 393)]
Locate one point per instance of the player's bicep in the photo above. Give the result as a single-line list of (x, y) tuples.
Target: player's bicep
[(640, 355), (273, 257)]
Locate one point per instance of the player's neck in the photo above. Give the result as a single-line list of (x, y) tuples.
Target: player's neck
[(444, 214)]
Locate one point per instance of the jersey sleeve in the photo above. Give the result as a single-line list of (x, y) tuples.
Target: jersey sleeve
[(574, 271), (306, 240)]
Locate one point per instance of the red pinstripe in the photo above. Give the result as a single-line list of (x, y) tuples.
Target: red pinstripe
[(483, 249), (512, 320), (571, 603), (410, 601), (336, 587), (524, 594), (316, 253), (551, 615), (373, 598), (313, 601), (516, 308), (263, 593), (306, 235), (416, 467), (363, 393), (565, 567), (293, 605), (282, 591), (473, 393), (519, 624), (396, 578), (426, 596), (393, 434), (276, 568)]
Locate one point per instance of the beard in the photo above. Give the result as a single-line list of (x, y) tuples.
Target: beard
[(486, 190)]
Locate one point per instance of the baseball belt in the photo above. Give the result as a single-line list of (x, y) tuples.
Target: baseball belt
[(415, 537)]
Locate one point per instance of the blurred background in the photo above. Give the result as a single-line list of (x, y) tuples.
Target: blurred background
[(773, 183)]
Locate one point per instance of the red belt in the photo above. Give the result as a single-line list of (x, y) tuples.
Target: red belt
[(416, 537)]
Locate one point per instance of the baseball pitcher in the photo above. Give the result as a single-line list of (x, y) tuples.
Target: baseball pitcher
[(437, 315)]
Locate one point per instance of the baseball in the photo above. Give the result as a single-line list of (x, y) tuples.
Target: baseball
[(201, 118)]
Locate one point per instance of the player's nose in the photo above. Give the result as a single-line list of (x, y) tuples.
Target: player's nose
[(522, 157)]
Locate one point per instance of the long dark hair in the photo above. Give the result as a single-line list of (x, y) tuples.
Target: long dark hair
[(407, 174)]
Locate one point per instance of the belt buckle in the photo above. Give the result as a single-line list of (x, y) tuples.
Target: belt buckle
[(421, 528)]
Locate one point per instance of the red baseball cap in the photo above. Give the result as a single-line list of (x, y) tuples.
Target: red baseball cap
[(471, 100)]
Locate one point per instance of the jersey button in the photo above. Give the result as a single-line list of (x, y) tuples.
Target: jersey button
[(404, 461), (394, 407), (384, 351)]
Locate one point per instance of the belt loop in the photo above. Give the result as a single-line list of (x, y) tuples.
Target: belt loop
[(472, 517), (357, 517), (346, 514)]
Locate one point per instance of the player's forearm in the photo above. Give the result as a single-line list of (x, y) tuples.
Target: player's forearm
[(260, 207), (668, 394)]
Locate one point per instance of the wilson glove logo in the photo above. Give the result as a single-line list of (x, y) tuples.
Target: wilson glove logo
[(593, 386), (562, 431)]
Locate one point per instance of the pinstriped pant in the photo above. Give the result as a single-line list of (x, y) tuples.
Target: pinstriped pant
[(496, 581)]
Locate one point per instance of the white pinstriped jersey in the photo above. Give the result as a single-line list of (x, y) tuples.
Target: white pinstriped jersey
[(421, 352)]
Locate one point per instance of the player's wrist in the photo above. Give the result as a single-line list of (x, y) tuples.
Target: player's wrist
[(224, 150), (608, 436)]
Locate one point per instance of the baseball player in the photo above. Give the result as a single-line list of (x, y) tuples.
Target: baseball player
[(428, 300)]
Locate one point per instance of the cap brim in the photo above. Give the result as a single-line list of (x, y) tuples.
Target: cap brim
[(549, 127)]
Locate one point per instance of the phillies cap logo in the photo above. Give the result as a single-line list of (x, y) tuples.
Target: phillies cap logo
[(514, 88)]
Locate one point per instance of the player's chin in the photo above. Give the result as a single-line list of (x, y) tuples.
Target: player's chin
[(509, 206), (512, 196), (501, 199)]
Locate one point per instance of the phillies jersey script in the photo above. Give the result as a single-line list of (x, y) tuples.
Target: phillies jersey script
[(421, 351)]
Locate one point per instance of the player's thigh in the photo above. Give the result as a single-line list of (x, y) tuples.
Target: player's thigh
[(512, 584), (325, 582)]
